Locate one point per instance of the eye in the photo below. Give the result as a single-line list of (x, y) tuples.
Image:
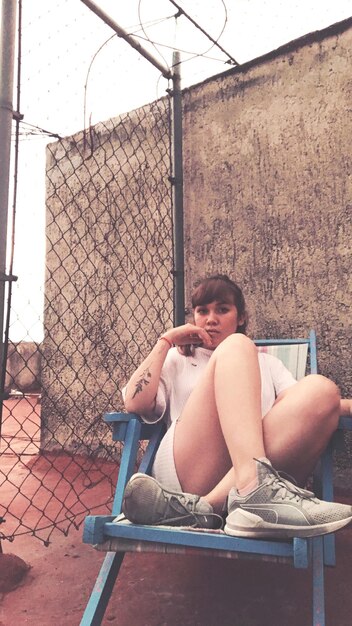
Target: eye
[(224, 309), (201, 311)]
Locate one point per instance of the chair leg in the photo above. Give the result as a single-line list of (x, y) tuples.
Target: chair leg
[(103, 587), (318, 582), (323, 487), (330, 550)]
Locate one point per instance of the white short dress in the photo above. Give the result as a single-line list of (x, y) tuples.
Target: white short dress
[(179, 376)]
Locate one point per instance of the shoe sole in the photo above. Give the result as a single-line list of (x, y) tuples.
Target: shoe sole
[(266, 530)]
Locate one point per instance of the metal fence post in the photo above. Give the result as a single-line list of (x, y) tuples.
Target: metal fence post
[(7, 53), (177, 164)]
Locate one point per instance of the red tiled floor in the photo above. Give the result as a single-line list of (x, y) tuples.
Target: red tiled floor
[(153, 590), (38, 491)]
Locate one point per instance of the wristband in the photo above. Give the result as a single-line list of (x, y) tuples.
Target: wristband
[(167, 340)]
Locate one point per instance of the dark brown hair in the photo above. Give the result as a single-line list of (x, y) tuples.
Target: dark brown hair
[(220, 288)]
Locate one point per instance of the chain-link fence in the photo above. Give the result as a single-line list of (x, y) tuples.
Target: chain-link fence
[(108, 294)]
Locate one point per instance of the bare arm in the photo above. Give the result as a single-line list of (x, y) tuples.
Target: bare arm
[(346, 406), (142, 387)]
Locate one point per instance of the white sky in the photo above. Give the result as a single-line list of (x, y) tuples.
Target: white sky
[(60, 40)]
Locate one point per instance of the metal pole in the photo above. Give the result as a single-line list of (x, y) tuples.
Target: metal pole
[(7, 55), (177, 179), (122, 33)]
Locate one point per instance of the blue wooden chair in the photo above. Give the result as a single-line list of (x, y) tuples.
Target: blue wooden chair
[(119, 537)]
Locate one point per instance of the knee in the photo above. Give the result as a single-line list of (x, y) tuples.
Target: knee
[(326, 394), (237, 343)]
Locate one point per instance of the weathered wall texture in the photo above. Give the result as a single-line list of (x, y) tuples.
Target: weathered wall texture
[(268, 190)]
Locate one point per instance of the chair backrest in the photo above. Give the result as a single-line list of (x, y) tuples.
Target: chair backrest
[(293, 353)]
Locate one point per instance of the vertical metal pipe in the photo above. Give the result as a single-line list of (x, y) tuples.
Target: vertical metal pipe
[(7, 55), (177, 176)]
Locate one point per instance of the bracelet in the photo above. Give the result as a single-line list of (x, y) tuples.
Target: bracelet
[(167, 340)]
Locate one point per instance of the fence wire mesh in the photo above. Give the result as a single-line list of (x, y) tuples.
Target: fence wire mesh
[(107, 294)]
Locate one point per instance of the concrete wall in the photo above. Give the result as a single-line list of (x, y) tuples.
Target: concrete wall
[(268, 190)]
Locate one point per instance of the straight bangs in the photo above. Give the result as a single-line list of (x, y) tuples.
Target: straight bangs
[(213, 290)]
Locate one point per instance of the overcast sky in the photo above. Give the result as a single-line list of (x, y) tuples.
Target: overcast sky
[(63, 41), (74, 70)]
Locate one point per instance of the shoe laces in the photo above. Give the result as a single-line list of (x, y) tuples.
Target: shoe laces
[(188, 503), (285, 485)]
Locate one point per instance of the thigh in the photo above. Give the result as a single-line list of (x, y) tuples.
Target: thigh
[(164, 469), (298, 427), (222, 417), (200, 452)]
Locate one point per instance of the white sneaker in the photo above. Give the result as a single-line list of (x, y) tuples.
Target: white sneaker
[(278, 508)]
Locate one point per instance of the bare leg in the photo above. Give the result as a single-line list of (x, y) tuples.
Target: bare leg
[(300, 424), (221, 424), (296, 432), (221, 431)]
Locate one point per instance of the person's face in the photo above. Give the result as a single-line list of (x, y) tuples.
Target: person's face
[(219, 319)]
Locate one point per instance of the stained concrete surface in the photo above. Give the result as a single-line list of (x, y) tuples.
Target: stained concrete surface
[(156, 590)]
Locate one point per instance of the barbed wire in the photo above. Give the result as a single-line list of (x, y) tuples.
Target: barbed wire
[(178, 49), (204, 54), (35, 130), (214, 41), (146, 36)]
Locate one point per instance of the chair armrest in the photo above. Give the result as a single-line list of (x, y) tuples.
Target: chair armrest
[(120, 417), (345, 422), (130, 429), (120, 422)]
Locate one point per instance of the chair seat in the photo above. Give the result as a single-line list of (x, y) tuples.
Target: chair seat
[(122, 536)]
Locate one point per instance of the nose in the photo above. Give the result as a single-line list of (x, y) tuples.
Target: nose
[(212, 318)]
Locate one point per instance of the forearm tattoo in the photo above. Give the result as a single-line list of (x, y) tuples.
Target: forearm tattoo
[(143, 381)]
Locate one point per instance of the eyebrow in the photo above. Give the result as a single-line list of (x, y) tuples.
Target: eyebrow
[(216, 302)]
